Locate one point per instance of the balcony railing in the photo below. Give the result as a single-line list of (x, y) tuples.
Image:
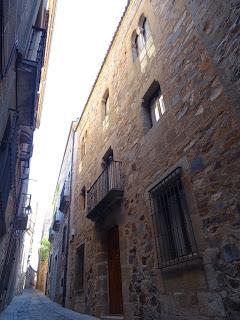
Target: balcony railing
[(105, 192), (28, 77), (21, 223), (65, 197), (37, 45), (58, 216)]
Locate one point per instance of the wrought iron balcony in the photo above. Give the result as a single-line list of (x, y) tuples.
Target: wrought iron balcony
[(28, 77), (65, 197), (21, 223), (58, 216), (105, 192), (36, 48)]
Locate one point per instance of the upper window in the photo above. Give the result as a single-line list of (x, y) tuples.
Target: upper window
[(83, 146), (83, 196), (174, 233), (153, 103), (105, 102), (140, 37)]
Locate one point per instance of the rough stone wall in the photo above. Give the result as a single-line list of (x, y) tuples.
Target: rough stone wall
[(17, 22), (199, 132), (42, 275)]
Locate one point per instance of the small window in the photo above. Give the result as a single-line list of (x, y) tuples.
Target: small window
[(107, 158), (83, 196), (153, 103), (146, 30), (156, 108), (83, 146), (79, 276), (174, 232), (105, 104), (140, 37)]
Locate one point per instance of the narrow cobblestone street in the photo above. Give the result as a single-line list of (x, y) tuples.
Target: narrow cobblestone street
[(32, 305)]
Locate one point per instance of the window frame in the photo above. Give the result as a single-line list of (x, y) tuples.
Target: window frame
[(152, 97), (140, 37), (84, 197), (84, 145), (175, 240), (105, 105)]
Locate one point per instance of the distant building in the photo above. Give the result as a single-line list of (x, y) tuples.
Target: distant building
[(26, 29), (31, 277), (154, 211), (59, 230)]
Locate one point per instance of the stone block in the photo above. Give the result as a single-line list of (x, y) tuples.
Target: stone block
[(211, 304)]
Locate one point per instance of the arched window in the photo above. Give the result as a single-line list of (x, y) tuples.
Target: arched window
[(134, 45), (83, 145), (146, 30), (105, 102), (140, 37)]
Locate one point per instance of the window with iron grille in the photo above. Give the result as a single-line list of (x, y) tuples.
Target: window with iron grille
[(79, 276), (173, 228)]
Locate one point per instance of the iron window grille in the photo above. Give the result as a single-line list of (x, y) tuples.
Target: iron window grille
[(173, 228)]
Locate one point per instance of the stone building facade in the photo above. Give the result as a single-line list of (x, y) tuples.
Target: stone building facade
[(24, 45), (59, 230), (42, 275), (154, 213)]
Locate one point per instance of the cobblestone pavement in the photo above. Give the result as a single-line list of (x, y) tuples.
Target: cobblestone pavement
[(33, 305)]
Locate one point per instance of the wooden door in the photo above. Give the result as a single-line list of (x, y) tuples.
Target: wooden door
[(114, 272)]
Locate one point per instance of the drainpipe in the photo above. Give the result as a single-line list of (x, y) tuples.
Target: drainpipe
[(68, 228)]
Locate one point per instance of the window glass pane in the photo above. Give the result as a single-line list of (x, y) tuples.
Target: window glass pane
[(107, 106), (156, 111), (140, 42), (152, 112), (135, 48), (162, 105), (146, 28)]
